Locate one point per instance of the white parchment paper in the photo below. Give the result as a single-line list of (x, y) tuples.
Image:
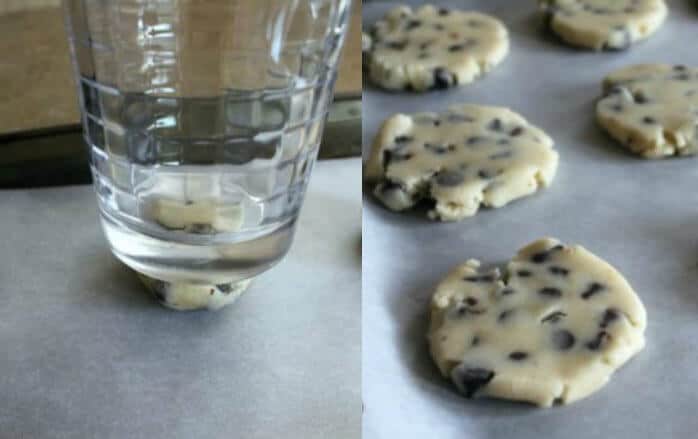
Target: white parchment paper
[(642, 216)]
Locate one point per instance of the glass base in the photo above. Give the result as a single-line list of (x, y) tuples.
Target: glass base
[(188, 296)]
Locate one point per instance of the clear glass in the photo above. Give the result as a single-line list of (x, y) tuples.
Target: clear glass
[(203, 120)]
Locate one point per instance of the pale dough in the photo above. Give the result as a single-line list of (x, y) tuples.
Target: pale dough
[(204, 216), (552, 330), (652, 109), (465, 157), (431, 47), (603, 24), (186, 296)]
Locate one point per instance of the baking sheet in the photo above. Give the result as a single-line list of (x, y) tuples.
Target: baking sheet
[(85, 352), (642, 216)]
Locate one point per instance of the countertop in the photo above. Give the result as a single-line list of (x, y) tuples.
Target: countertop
[(87, 353), (37, 88), (639, 215)]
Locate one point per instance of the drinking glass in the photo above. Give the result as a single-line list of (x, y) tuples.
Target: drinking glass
[(203, 120)]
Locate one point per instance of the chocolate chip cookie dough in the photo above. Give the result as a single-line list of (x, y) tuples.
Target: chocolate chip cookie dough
[(434, 48), (652, 109), (200, 217), (603, 24), (465, 157), (552, 330)]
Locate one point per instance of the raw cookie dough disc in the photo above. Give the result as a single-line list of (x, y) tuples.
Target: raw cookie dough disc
[(201, 217), (430, 48), (652, 109), (552, 330), (603, 24), (186, 296), (468, 156)]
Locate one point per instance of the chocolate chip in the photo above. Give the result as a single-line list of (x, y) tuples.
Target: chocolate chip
[(443, 78), (507, 291), (559, 271), (680, 68), (394, 156), (485, 174), (558, 401), (473, 379), (201, 229), (640, 98), (649, 120), (500, 155), (617, 108), (211, 291), (438, 26), (159, 296), (396, 45), (471, 301), (159, 287), (518, 356), (224, 288), (456, 47), (425, 46), (437, 122), (563, 339), (505, 315), (601, 338), (592, 289), (476, 341), (474, 139), (554, 317), (480, 278), (436, 149), (412, 24), (516, 132), (403, 139), (449, 178), (444, 11), (540, 257), (389, 185), (682, 77), (495, 125), (550, 292), (609, 316), (524, 273)]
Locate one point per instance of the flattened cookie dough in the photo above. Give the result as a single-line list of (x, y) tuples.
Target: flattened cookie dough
[(200, 217), (434, 48), (187, 296), (652, 109), (552, 330), (603, 24), (465, 157)]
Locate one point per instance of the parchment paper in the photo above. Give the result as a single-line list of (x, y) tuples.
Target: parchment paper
[(642, 216), (85, 352)]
